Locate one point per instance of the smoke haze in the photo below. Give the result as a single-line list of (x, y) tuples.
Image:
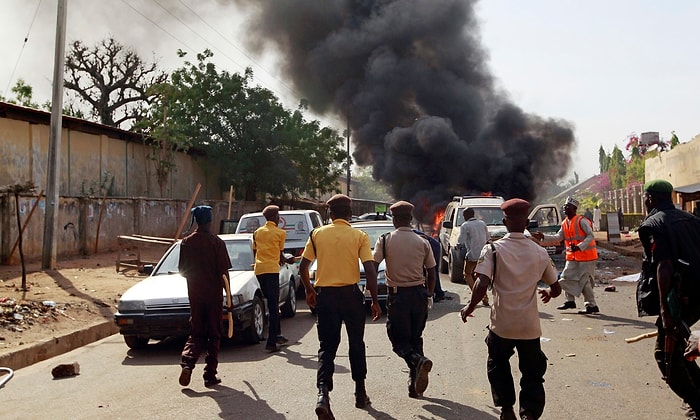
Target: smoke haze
[(411, 78)]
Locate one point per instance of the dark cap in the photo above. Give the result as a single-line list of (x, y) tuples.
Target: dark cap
[(516, 207), (202, 214), (658, 186), (401, 208), (270, 212), (339, 200)]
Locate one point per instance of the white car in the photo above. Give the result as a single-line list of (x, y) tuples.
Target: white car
[(158, 306)]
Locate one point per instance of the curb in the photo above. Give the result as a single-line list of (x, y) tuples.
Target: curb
[(58, 345), (620, 250)]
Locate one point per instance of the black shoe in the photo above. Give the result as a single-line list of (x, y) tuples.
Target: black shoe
[(272, 348), (423, 367), (214, 380), (507, 413), (282, 340), (185, 376), (323, 406), (569, 304), (590, 310), (526, 415), (412, 389), (362, 400)]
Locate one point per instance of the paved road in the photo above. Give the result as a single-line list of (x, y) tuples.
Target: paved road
[(592, 374)]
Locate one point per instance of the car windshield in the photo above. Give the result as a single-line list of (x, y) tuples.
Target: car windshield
[(492, 216), (374, 232), (295, 225), (239, 251)]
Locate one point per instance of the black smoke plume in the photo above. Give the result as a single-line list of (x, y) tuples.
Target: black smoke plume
[(410, 77)]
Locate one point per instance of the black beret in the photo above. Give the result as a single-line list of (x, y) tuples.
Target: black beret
[(658, 186), (270, 211), (516, 207), (401, 208), (339, 200)]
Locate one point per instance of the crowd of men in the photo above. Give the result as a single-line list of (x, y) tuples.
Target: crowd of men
[(513, 268)]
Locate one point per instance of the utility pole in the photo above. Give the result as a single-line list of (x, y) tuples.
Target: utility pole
[(48, 257), (347, 150)]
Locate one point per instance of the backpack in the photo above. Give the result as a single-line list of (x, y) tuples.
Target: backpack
[(683, 232)]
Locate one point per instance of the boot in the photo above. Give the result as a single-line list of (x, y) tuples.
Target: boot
[(423, 365), (323, 405), (361, 398), (412, 393)]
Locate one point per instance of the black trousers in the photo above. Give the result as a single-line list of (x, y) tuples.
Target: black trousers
[(532, 364), (335, 306), (206, 325), (270, 286), (684, 377), (407, 313)]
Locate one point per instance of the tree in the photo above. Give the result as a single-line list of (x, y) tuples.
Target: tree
[(111, 80), (259, 146), (16, 190), (603, 160), (369, 187), (674, 140), (617, 169)]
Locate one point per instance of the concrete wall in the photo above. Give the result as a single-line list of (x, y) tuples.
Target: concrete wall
[(678, 166), (87, 158), (79, 220)]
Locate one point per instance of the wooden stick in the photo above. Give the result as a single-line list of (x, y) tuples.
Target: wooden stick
[(187, 212), (229, 303), (641, 337), (99, 219), (26, 222), (230, 200)]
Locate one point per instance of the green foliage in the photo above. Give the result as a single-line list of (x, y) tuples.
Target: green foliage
[(617, 169), (259, 146), (603, 160), (369, 188), (674, 140)]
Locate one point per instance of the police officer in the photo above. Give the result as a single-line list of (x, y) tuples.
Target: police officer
[(407, 257), (338, 299)]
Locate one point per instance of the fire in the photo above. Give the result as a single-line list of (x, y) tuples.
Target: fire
[(437, 221), (486, 194)]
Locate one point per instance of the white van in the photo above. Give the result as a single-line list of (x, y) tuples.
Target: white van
[(297, 223)]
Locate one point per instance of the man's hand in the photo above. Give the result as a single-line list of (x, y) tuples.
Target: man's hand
[(466, 312), (537, 235), (311, 297), (430, 302), (376, 311), (544, 295), (691, 350)]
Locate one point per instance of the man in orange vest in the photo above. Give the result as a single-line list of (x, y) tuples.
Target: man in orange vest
[(581, 257)]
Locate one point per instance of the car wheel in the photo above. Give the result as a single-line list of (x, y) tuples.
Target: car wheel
[(455, 272), (254, 333), (136, 341), (289, 309)]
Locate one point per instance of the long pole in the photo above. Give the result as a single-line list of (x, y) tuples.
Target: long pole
[(347, 150), (48, 257)]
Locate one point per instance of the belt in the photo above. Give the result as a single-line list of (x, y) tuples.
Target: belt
[(396, 289)]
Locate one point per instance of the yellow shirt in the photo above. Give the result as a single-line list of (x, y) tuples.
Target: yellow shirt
[(268, 242), (337, 248)]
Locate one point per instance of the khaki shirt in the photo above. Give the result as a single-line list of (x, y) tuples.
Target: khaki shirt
[(337, 247), (521, 264), (406, 255)]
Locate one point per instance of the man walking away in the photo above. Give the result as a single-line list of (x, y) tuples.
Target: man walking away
[(473, 234), (268, 245), (338, 299), (203, 262), (671, 242), (407, 257), (513, 266), (581, 257)]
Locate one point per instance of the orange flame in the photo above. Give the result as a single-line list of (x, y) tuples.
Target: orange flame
[(437, 222)]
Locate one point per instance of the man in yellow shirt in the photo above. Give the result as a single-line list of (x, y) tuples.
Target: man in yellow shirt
[(268, 245), (338, 299)]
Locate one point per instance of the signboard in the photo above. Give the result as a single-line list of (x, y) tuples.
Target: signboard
[(380, 208), (613, 227), (649, 138)]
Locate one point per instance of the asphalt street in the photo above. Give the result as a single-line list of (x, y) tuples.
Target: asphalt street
[(592, 373)]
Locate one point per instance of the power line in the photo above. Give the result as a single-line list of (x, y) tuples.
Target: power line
[(24, 43), (159, 27)]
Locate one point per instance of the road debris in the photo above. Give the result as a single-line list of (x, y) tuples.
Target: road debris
[(18, 316)]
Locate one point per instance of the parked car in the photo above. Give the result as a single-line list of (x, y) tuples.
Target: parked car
[(374, 230), (297, 223), (158, 306), (488, 209)]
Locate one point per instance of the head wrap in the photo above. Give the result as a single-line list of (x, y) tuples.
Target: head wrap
[(202, 214)]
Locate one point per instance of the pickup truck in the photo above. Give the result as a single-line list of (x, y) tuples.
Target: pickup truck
[(544, 218)]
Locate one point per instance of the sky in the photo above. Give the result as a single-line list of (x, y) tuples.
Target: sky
[(610, 68)]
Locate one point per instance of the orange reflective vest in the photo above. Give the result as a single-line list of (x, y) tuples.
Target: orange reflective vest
[(574, 235)]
